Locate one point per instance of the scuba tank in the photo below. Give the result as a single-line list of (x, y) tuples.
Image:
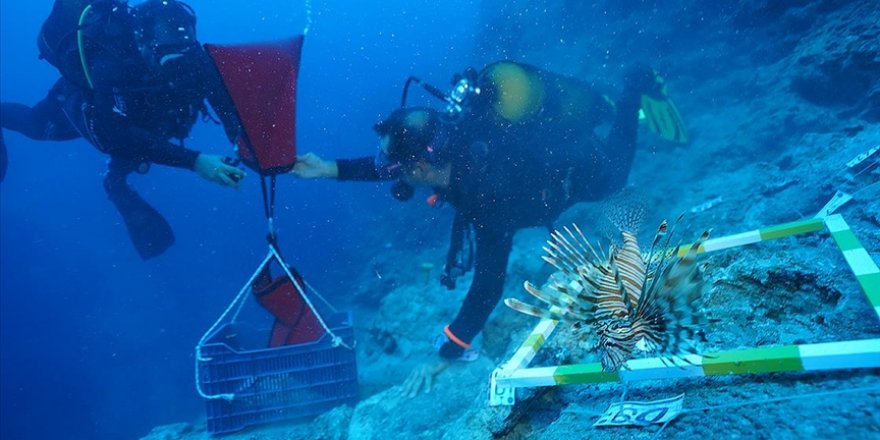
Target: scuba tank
[(88, 41), (516, 93), (104, 45), (508, 93)]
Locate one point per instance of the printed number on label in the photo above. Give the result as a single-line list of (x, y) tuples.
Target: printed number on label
[(641, 413)]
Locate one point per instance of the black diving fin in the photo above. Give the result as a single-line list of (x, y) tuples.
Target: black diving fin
[(149, 231)]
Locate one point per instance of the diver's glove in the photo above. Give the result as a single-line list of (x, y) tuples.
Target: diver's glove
[(310, 166), (218, 169)]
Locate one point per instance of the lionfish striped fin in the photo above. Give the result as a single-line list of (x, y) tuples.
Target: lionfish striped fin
[(579, 245), (625, 304), (574, 251), (559, 249), (551, 296), (617, 345), (535, 311), (609, 298), (558, 265), (601, 293), (661, 267), (588, 278), (559, 241), (560, 258), (661, 232), (632, 269), (684, 272), (583, 240), (668, 314), (574, 301)]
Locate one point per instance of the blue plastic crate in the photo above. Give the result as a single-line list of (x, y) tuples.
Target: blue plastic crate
[(274, 384)]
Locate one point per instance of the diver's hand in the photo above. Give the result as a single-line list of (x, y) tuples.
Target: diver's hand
[(310, 166), (213, 169), (422, 378)]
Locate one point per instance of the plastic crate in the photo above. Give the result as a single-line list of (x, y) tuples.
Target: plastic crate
[(274, 384)]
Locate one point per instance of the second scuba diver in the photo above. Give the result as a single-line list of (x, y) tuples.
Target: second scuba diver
[(514, 152), (133, 79)]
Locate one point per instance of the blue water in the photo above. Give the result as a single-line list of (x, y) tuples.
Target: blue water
[(97, 344)]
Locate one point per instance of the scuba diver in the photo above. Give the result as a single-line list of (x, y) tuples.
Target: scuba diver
[(132, 79), (514, 149)]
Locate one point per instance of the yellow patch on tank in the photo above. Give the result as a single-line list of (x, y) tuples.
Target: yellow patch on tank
[(520, 92)]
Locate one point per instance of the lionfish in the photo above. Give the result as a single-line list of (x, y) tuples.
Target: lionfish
[(628, 304)]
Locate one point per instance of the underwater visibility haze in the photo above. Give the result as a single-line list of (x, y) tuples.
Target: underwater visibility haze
[(776, 122)]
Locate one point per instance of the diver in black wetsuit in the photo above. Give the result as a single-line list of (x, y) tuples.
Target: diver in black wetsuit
[(499, 179), (139, 80)]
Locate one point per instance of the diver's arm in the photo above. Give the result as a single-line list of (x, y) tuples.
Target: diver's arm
[(362, 168), (310, 166), (490, 267), (144, 147), (45, 120), (139, 145), (135, 143), (115, 134)]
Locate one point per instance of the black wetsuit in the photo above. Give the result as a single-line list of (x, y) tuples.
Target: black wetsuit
[(130, 125), (134, 124), (503, 180)]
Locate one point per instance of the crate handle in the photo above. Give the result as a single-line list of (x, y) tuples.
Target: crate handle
[(237, 304)]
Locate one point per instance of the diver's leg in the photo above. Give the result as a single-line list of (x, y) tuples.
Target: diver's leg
[(45, 121), (610, 163), (621, 141), (149, 231)]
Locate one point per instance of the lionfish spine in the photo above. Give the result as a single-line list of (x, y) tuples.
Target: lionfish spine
[(559, 242), (632, 268), (560, 255), (557, 264), (537, 312), (583, 239), (588, 255)]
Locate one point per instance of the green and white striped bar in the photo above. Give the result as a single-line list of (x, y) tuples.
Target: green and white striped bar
[(526, 352), (863, 267), (790, 358), (758, 235)]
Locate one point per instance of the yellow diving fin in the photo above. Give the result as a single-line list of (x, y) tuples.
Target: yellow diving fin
[(663, 118)]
